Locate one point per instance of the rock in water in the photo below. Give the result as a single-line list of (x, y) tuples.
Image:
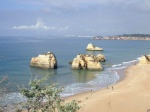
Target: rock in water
[(83, 61), (100, 58), (91, 47), (145, 59), (44, 61)]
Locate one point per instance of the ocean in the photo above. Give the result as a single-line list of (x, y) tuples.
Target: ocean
[(16, 53)]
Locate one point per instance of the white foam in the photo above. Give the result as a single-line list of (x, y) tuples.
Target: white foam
[(129, 62), (126, 62), (134, 61), (122, 67), (11, 98), (138, 58), (116, 65), (103, 79)]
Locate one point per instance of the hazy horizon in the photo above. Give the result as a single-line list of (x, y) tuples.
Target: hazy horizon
[(68, 17)]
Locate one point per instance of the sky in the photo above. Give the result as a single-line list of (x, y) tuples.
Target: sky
[(74, 17)]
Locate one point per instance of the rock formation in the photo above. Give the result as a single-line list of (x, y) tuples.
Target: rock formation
[(100, 58), (145, 59), (83, 61), (44, 61), (91, 47)]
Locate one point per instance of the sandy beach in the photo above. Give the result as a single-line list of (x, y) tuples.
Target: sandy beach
[(132, 94)]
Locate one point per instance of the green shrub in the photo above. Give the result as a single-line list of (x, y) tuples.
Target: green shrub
[(46, 99)]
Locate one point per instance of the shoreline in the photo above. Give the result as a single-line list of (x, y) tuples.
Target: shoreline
[(120, 73), (132, 94), (121, 78)]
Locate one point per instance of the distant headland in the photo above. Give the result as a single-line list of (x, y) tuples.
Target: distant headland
[(124, 37)]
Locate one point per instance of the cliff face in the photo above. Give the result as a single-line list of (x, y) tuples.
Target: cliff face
[(90, 62), (145, 59), (91, 47), (44, 61)]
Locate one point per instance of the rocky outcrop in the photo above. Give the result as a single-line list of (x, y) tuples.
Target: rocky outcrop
[(100, 58), (83, 61), (145, 59), (91, 47), (44, 61)]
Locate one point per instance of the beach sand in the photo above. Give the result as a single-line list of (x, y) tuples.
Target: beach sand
[(132, 94)]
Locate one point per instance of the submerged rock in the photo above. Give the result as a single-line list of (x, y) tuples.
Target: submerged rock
[(83, 61), (91, 47), (44, 61), (145, 59)]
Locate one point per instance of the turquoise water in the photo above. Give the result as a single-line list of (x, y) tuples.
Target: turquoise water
[(16, 53)]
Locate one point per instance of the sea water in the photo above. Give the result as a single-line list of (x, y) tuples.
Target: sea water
[(16, 53)]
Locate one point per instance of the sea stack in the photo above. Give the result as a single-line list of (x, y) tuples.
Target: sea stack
[(44, 61), (91, 47), (83, 61), (145, 59)]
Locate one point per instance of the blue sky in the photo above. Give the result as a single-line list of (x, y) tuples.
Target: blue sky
[(74, 17)]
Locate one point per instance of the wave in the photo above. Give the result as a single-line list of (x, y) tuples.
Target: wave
[(116, 65), (124, 64), (130, 62), (122, 67), (138, 58), (11, 98), (102, 80)]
